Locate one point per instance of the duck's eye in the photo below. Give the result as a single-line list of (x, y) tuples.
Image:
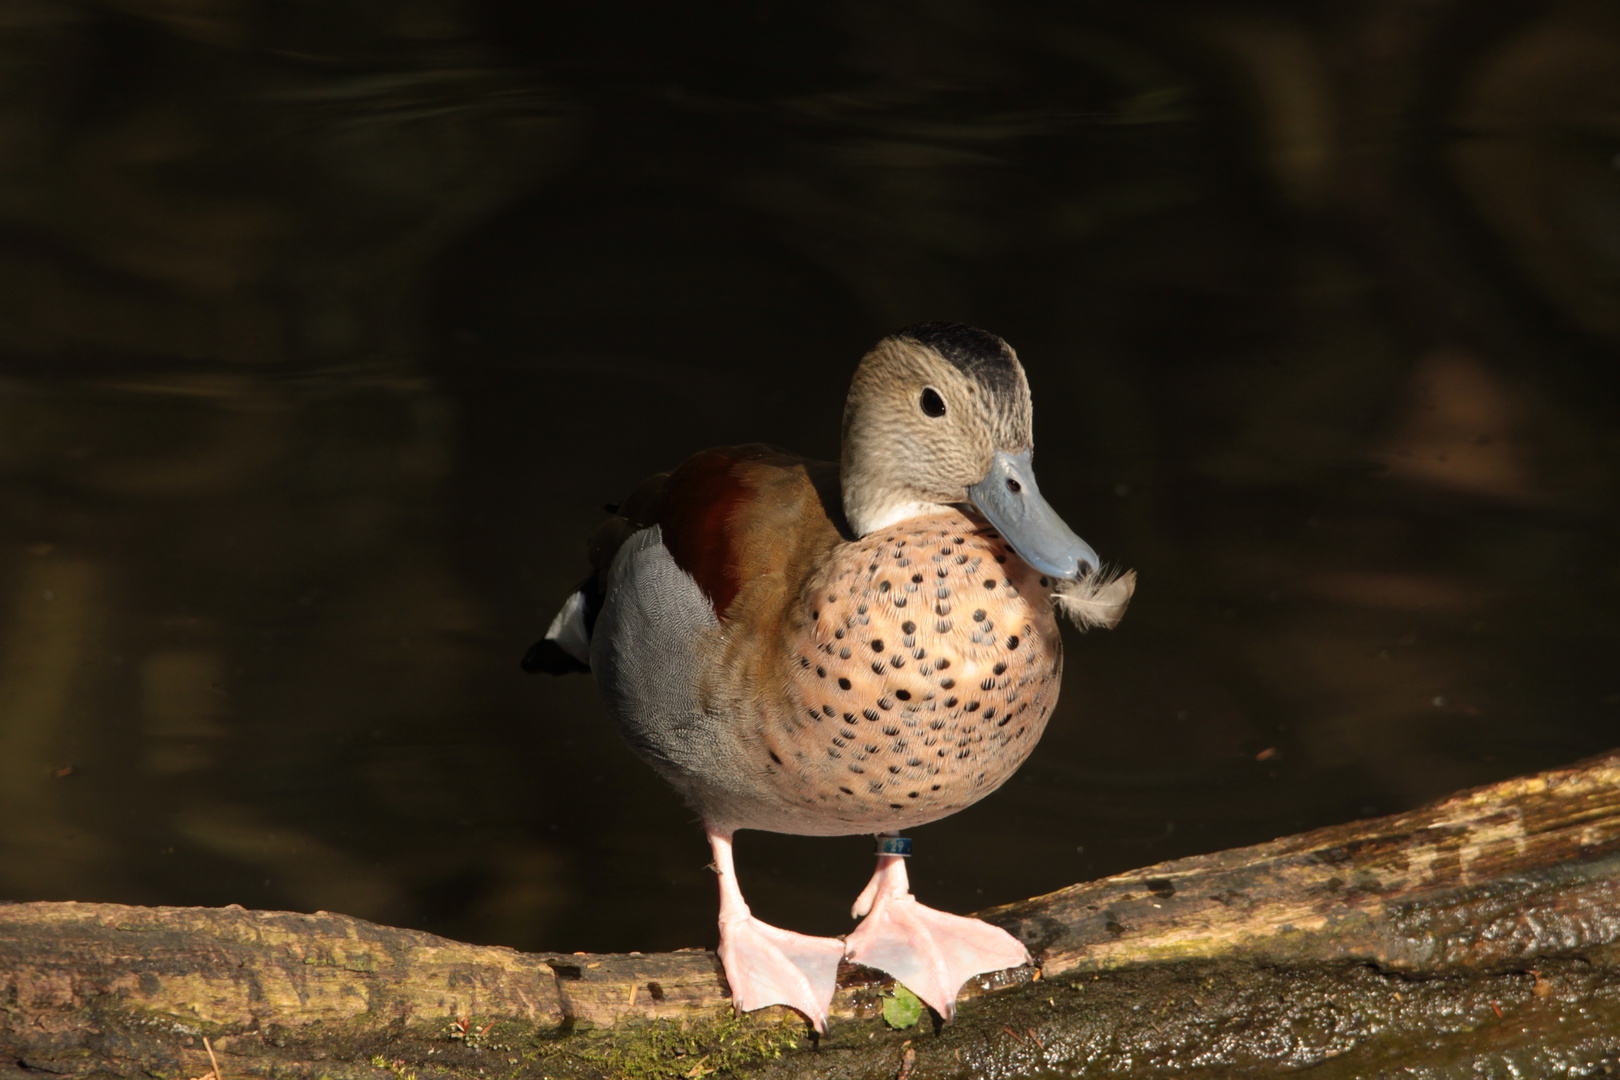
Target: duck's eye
[(932, 403), (1014, 486)]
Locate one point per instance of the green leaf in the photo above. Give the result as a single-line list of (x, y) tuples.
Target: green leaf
[(903, 1010)]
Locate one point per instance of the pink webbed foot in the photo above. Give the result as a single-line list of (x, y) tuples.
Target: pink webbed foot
[(930, 952), (766, 965), (769, 966)]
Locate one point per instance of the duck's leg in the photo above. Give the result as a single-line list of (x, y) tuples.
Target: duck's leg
[(766, 965), (932, 953)]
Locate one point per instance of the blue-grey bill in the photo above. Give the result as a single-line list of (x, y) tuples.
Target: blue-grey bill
[(1027, 521)]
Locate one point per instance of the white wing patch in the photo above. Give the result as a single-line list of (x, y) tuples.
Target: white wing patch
[(568, 629)]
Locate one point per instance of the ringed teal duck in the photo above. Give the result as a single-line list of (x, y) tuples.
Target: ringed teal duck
[(828, 650)]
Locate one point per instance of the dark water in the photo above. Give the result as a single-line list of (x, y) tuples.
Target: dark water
[(327, 328)]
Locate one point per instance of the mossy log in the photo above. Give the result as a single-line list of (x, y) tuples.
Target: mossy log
[(1479, 933)]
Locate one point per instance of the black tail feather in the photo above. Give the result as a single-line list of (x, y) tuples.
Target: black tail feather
[(547, 656)]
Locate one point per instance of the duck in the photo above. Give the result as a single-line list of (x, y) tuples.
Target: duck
[(837, 649)]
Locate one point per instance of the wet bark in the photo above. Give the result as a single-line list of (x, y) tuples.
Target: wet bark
[(1480, 932)]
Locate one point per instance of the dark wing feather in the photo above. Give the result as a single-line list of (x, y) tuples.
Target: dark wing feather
[(727, 516)]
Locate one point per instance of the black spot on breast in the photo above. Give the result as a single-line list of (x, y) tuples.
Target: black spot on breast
[(903, 695), (989, 583), (947, 683), (774, 757), (978, 616), (916, 579), (821, 673), (944, 662), (839, 633), (843, 683), (950, 703), (843, 654), (870, 714), (942, 626), (883, 586), (987, 684), (1012, 642), (877, 645), (845, 790), (999, 669), (972, 706), (908, 627)]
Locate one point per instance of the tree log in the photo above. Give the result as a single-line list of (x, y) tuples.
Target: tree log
[(1478, 933)]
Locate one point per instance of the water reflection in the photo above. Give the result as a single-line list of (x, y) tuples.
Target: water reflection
[(327, 332)]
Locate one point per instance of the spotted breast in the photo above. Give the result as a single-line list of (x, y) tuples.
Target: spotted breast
[(926, 668)]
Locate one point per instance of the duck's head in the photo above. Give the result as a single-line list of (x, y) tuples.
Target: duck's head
[(939, 416)]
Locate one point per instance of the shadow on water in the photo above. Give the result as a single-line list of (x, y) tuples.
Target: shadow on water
[(327, 331)]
